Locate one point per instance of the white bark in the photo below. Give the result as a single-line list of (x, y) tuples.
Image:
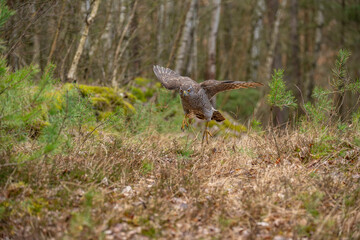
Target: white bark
[(192, 66), (274, 39), (185, 38), (266, 73), (255, 44), (215, 19), (84, 34), (108, 35), (318, 32), (122, 14), (160, 35), (104, 36), (120, 48)]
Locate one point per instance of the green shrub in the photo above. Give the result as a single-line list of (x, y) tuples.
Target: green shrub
[(279, 96), (319, 111), (23, 106)]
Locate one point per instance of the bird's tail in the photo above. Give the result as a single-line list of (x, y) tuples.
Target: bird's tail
[(217, 116)]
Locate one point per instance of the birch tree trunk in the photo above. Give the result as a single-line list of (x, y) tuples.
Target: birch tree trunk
[(104, 33), (274, 39), (84, 34), (267, 70), (102, 42), (123, 7), (255, 43), (160, 34), (319, 21), (120, 48), (193, 67), (108, 34), (215, 19), (185, 38), (116, 25)]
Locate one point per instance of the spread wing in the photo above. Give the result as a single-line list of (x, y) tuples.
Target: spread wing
[(212, 87), (171, 79)]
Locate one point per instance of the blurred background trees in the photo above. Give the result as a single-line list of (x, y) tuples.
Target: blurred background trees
[(110, 43)]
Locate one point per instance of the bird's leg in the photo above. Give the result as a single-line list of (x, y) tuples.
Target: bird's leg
[(185, 122), (206, 133)]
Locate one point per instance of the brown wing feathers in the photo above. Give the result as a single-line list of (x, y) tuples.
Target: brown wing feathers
[(212, 87), (229, 85), (171, 79), (168, 78)]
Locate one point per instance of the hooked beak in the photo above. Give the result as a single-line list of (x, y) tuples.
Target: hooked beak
[(184, 93)]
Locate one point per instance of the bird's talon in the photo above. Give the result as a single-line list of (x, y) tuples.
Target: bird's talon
[(184, 124), (206, 134)]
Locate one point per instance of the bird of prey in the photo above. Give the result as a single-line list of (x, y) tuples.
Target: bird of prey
[(196, 97)]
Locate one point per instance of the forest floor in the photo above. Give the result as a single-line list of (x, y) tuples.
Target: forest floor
[(168, 186)]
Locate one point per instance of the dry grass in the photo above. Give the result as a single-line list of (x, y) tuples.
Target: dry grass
[(167, 186)]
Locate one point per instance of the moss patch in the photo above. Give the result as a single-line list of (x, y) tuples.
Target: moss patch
[(106, 99)]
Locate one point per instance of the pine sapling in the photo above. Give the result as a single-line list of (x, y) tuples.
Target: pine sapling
[(279, 97)]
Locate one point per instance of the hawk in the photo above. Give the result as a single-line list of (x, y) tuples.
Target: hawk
[(196, 97)]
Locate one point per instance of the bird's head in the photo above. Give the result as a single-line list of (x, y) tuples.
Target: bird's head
[(186, 90)]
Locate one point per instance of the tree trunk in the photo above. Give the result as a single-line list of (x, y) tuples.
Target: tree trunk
[(255, 43), (170, 24), (215, 19), (36, 41), (169, 5), (135, 67), (340, 96), (54, 42), (267, 70), (120, 48), (160, 34), (105, 38), (192, 66), (185, 38), (103, 33), (84, 33), (273, 41), (319, 21), (295, 73), (108, 35)]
